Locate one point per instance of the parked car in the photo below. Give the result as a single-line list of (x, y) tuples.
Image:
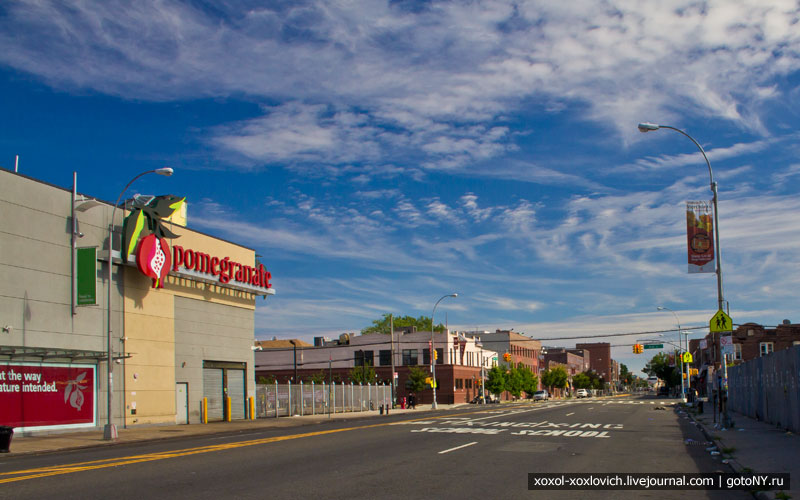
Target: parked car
[(541, 396), (488, 400), (581, 393)]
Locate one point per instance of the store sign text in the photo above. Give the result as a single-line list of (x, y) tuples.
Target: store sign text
[(224, 269)]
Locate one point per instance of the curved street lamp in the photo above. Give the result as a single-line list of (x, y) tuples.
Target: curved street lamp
[(433, 350), (648, 127), (110, 430)]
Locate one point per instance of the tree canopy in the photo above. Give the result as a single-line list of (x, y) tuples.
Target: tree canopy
[(423, 324), (659, 365), (496, 380), (555, 377), (416, 379), (363, 374), (515, 380)]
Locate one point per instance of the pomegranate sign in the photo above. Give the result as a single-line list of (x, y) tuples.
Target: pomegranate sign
[(153, 259)]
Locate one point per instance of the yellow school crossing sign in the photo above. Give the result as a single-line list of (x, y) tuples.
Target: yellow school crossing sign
[(687, 357), (720, 322)]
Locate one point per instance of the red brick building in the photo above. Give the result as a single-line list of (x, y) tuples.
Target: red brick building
[(750, 341), (600, 359)]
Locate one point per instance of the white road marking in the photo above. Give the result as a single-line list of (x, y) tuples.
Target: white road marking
[(568, 414), (457, 447)]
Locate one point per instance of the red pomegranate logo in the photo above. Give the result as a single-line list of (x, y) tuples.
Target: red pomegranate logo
[(153, 258)]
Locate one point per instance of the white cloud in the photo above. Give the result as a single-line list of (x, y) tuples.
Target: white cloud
[(436, 81)]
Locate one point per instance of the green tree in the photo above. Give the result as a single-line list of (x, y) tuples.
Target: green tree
[(625, 376), (514, 381), (530, 382), (659, 365), (582, 381), (496, 380), (362, 374), (423, 323), (555, 377), (269, 379), (317, 378), (416, 379)]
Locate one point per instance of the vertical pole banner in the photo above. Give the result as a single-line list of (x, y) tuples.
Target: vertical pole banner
[(700, 236)]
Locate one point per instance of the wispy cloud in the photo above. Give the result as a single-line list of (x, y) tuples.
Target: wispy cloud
[(361, 81)]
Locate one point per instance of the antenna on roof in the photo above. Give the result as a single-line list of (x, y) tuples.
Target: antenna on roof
[(16, 165)]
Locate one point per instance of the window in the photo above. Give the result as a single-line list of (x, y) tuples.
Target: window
[(459, 383), (439, 355), (767, 348), (426, 356), (469, 383), (410, 357), (362, 357), (737, 352), (385, 357)]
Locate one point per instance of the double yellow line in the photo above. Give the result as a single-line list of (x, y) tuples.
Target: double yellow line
[(23, 475)]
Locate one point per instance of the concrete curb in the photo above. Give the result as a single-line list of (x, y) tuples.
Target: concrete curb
[(734, 464)]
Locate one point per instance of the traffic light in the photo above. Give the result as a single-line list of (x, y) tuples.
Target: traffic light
[(507, 357), (638, 348), (435, 355)]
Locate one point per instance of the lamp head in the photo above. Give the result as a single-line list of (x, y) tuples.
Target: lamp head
[(647, 127), (660, 308), (454, 295), (166, 171)]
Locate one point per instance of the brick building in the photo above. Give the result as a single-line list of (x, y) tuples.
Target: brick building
[(600, 359)]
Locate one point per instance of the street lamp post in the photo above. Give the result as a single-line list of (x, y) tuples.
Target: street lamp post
[(680, 347), (110, 430), (647, 127), (433, 350)]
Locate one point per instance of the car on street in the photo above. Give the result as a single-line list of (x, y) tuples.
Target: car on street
[(581, 393), (488, 400), (541, 396)]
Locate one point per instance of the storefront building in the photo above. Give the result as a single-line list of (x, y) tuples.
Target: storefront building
[(181, 318)]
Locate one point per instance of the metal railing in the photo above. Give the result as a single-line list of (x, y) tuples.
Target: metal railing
[(283, 400)]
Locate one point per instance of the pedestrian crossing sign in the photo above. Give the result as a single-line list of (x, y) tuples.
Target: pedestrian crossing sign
[(720, 322)]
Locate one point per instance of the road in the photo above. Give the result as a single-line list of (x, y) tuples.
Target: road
[(477, 452)]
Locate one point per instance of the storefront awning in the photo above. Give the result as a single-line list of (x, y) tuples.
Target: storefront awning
[(21, 352)]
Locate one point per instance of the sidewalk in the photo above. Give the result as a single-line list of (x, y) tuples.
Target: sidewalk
[(751, 446), (37, 443)]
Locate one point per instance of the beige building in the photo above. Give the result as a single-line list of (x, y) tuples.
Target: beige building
[(172, 346)]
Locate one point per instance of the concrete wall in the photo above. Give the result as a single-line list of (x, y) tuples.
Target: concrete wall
[(158, 329), (36, 273)]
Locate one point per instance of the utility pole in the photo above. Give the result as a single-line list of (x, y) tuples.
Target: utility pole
[(391, 332), (294, 347)]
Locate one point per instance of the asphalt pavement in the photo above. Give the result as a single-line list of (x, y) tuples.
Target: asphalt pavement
[(455, 452)]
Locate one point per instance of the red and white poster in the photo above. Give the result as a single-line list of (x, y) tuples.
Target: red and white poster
[(43, 396), (700, 236)]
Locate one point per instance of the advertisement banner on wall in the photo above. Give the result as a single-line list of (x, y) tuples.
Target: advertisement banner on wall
[(700, 236), (47, 396), (87, 276)]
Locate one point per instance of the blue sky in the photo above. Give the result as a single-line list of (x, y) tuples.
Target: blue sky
[(382, 154)]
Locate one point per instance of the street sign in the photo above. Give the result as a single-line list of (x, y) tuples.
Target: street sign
[(720, 322), (726, 344), (687, 357), (654, 346)]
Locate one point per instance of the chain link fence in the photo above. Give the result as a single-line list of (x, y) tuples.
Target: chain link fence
[(283, 400)]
